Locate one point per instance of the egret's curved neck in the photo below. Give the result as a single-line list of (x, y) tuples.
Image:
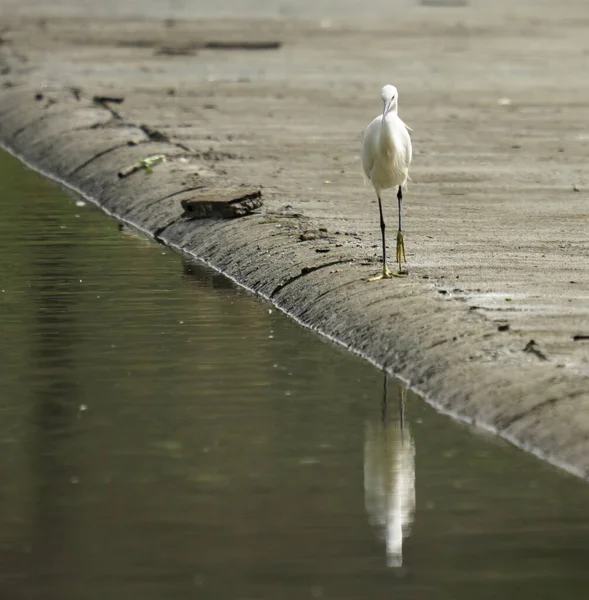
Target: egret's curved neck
[(393, 108), (387, 132), (391, 111)]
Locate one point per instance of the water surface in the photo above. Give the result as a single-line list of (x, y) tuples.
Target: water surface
[(165, 435)]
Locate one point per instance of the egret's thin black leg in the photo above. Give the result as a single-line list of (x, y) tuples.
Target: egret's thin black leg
[(386, 274), (382, 229), (401, 256), (400, 199)]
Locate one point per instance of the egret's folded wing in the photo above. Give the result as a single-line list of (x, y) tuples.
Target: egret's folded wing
[(367, 153)]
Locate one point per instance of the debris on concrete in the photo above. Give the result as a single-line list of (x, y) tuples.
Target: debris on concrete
[(226, 204)]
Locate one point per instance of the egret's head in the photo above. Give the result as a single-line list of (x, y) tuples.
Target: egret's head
[(389, 97)]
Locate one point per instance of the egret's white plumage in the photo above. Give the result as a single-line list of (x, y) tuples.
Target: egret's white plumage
[(386, 156)]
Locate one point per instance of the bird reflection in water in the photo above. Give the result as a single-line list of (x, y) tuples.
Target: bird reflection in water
[(389, 476)]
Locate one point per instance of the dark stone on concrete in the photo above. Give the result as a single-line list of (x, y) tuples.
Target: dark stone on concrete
[(227, 204)]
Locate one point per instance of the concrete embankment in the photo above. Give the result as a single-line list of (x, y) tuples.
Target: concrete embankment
[(491, 325)]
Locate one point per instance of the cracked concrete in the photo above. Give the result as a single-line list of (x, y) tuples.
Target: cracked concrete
[(496, 216)]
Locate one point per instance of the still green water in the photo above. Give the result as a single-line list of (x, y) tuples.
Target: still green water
[(165, 435)]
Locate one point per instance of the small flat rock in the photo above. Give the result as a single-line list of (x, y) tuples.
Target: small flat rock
[(223, 203)]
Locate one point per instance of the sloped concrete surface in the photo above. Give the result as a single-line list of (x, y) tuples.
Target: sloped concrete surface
[(491, 324)]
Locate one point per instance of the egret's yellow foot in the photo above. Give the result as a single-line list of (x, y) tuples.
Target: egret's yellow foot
[(401, 256), (386, 274)]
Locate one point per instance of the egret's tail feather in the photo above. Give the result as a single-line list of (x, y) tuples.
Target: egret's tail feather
[(406, 126)]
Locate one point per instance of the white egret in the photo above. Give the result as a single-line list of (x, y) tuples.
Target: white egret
[(386, 156)]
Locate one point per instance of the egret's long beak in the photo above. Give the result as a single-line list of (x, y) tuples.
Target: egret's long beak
[(387, 105)]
